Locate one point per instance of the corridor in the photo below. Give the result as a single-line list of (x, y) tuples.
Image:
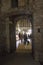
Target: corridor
[(18, 59), (23, 35)]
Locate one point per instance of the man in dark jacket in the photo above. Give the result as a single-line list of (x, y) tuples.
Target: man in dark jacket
[(25, 38)]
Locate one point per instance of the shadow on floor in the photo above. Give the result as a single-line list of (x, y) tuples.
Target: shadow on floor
[(18, 59)]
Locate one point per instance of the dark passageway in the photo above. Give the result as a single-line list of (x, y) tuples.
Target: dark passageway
[(18, 59), (14, 51)]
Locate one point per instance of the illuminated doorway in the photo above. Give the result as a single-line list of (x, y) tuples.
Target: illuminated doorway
[(24, 35)]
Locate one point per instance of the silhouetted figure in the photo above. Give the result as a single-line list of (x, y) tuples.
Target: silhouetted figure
[(25, 38), (20, 37)]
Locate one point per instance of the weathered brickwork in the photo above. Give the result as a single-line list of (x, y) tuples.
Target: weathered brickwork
[(38, 23), (6, 5)]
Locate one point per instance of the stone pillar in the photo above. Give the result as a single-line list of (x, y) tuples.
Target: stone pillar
[(12, 31), (7, 35), (2, 36), (15, 35)]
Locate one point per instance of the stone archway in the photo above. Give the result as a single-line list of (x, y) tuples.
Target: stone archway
[(11, 23), (15, 19)]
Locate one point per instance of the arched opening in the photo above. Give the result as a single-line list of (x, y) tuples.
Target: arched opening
[(23, 35), (21, 25)]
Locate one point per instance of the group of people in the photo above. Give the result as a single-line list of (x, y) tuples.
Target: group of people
[(23, 38)]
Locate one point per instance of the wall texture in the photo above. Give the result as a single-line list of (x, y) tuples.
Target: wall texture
[(38, 25), (6, 5), (36, 8)]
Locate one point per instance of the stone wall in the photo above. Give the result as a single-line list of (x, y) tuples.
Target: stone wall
[(38, 29), (21, 3), (37, 9), (12, 36), (6, 5), (2, 36)]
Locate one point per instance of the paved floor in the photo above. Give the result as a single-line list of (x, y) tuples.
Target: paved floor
[(24, 48), (18, 59)]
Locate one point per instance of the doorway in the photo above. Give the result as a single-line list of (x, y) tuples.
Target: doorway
[(24, 35)]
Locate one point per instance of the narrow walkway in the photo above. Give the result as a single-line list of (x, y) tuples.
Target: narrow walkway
[(19, 59)]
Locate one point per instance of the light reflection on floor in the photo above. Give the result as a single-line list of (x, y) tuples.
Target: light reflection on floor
[(18, 42), (20, 47)]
